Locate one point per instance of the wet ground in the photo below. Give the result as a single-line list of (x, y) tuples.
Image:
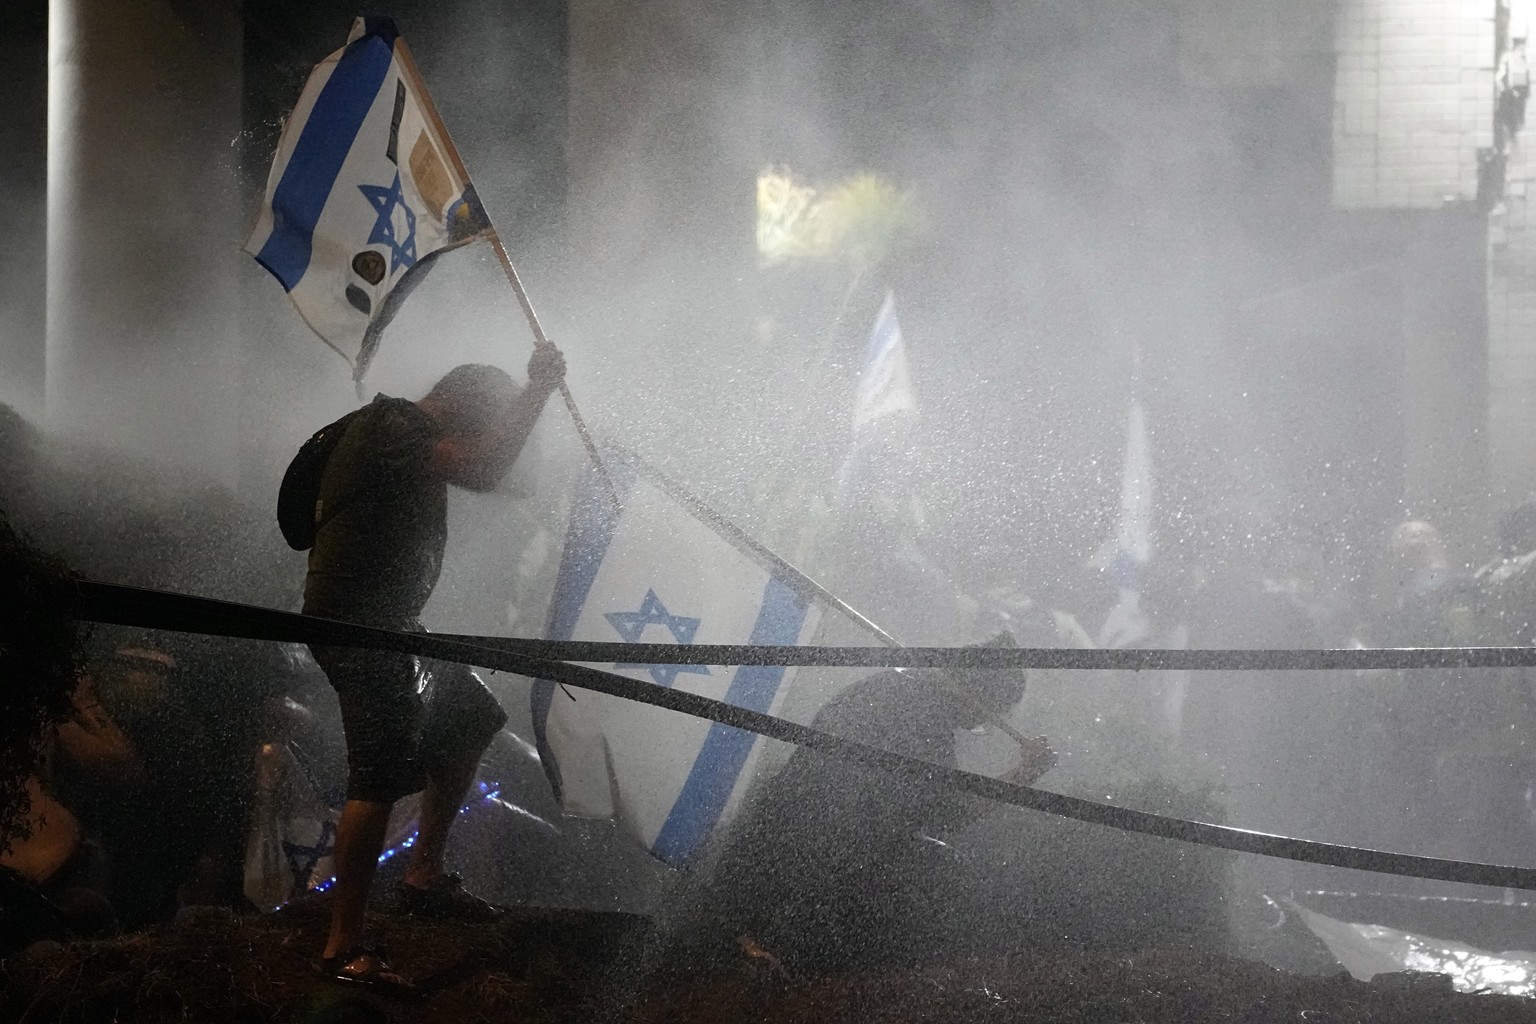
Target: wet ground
[(555, 965)]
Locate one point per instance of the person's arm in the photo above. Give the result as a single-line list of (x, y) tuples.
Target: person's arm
[(1035, 758), (93, 742), (480, 461)]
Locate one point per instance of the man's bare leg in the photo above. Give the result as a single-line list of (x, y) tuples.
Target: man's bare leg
[(359, 841), (440, 804)]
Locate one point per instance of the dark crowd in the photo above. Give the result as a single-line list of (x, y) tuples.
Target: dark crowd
[(141, 769), (140, 765)]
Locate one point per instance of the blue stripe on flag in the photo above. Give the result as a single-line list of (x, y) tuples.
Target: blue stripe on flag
[(593, 521), (323, 145), (724, 753)]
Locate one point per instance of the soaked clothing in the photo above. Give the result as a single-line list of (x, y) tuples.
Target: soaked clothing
[(383, 525), (383, 519), (403, 724)]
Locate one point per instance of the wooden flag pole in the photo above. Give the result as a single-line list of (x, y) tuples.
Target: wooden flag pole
[(408, 65), (540, 339)]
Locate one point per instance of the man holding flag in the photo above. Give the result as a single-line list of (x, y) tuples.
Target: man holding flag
[(381, 528), (366, 189)]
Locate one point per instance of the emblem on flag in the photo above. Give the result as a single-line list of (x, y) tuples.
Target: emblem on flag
[(396, 219), (631, 629)]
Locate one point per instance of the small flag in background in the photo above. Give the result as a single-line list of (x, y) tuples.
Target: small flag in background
[(363, 193), (1133, 540), (884, 386), (884, 391), (1127, 554), (879, 555), (663, 571)]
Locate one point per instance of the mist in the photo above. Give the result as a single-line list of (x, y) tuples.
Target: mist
[(1157, 205)]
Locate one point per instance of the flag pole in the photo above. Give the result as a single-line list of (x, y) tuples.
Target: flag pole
[(408, 65)]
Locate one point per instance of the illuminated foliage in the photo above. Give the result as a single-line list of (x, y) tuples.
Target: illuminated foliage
[(859, 222), (783, 218)]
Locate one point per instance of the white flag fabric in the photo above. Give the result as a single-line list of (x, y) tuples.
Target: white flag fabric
[(363, 192), (1133, 541), (883, 394), (1127, 554), (657, 572), (884, 385)]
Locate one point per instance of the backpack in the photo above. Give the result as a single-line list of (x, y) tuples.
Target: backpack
[(298, 496)]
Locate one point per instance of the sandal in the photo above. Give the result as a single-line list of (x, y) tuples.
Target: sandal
[(367, 966)]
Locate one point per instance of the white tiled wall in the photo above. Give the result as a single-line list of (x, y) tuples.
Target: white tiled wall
[(1512, 309), (1413, 100), (1512, 328)]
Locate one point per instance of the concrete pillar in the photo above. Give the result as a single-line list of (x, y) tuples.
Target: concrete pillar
[(144, 228), (23, 171)]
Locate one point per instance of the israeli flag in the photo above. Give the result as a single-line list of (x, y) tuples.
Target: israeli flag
[(885, 387), (365, 189), (1126, 555), (658, 570), (884, 393), (1133, 536)]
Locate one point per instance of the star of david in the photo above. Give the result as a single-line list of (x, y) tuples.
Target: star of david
[(631, 626), (385, 200), (302, 859)]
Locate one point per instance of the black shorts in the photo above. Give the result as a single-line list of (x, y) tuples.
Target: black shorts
[(403, 724)]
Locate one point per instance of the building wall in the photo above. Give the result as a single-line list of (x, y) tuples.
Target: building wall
[(1240, 43), (1414, 94), (23, 175), (143, 100), (1512, 335), (1512, 310), (1414, 133)]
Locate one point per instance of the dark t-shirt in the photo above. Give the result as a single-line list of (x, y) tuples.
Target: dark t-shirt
[(383, 519), (903, 712)]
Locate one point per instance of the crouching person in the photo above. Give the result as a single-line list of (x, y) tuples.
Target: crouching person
[(836, 865), (56, 873)]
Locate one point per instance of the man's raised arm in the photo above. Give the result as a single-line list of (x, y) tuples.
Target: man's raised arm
[(480, 460)]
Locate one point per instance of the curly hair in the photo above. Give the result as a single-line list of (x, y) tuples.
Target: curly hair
[(39, 652)]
